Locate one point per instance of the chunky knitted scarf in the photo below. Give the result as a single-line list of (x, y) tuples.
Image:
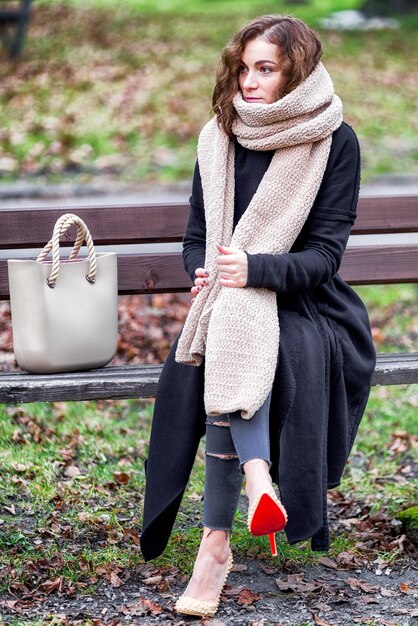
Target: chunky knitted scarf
[(237, 330)]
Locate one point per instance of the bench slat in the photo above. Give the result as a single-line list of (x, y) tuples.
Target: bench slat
[(106, 383), (386, 214), (164, 273), (141, 381), (149, 223), (152, 273), (137, 273), (380, 265), (396, 369)]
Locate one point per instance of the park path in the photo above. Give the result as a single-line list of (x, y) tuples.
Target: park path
[(256, 595)]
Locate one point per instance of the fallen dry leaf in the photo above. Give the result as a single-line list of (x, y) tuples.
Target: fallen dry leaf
[(356, 584), (10, 605), (239, 568), (377, 335), (122, 478), (296, 584), (155, 609), (136, 609), (53, 585), (327, 562), (347, 559), (67, 454), (130, 534), (231, 591), (369, 600), (247, 597), (152, 580), (406, 588), (411, 612), (115, 581)]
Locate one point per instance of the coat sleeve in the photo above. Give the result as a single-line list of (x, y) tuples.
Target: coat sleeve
[(320, 247), (194, 239)]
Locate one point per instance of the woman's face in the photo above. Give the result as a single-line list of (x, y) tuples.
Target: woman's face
[(260, 76)]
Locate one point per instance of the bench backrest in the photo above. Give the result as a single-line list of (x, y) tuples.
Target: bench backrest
[(155, 271)]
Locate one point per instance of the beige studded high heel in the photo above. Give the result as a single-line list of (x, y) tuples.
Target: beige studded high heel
[(203, 608)]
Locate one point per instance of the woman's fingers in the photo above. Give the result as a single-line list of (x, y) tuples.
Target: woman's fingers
[(202, 272), (225, 249), (232, 265), (233, 281), (202, 279)]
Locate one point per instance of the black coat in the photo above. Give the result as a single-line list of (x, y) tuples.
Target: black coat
[(325, 362)]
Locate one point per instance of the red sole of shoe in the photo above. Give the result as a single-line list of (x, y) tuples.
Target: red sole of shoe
[(268, 517)]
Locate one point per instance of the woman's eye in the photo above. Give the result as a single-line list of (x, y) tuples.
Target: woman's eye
[(242, 69), (265, 69)]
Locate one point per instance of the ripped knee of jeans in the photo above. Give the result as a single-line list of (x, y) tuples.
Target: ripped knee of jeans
[(224, 457)]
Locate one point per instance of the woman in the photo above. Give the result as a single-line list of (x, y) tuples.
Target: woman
[(275, 360)]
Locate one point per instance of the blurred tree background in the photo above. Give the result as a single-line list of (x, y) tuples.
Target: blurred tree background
[(119, 90)]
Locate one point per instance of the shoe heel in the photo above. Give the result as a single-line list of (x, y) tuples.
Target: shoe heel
[(272, 539)]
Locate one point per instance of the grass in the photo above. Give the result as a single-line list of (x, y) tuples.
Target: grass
[(381, 482), (393, 316), (121, 90), (312, 9), (73, 527)]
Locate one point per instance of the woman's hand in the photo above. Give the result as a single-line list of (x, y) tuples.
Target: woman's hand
[(202, 279), (232, 267)]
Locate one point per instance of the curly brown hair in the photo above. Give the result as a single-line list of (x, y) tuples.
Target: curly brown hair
[(300, 50)]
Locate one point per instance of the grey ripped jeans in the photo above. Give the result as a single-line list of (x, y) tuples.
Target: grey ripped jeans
[(231, 441)]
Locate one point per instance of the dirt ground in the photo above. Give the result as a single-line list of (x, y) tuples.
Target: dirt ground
[(256, 595)]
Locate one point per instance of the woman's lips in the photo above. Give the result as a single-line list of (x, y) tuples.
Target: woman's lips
[(252, 99)]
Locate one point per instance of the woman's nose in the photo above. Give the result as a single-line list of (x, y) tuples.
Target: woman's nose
[(250, 81)]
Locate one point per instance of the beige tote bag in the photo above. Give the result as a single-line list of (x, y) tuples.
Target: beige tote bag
[(64, 312)]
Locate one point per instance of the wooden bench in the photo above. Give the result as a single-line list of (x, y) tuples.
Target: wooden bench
[(28, 229), (14, 21)]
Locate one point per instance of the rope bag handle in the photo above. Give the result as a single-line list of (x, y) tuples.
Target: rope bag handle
[(83, 234)]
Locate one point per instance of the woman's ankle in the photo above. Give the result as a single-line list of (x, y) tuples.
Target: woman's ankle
[(256, 466), (216, 542), (257, 470), (257, 477)]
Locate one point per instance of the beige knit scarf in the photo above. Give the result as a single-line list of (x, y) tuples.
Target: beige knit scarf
[(237, 330)]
